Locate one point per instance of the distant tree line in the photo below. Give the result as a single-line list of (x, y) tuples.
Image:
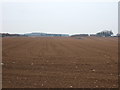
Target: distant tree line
[(104, 33), (45, 34), (9, 35), (32, 34), (82, 35)]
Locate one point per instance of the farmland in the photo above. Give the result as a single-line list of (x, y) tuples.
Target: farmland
[(60, 62)]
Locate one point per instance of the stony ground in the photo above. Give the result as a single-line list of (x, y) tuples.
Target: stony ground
[(57, 62)]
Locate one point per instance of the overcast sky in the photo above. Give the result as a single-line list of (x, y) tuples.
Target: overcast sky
[(59, 17)]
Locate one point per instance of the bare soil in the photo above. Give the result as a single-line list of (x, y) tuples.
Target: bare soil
[(60, 62)]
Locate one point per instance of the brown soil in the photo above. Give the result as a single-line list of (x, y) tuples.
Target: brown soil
[(60, 62)]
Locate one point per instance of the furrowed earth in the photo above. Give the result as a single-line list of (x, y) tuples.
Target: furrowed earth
[(59, 62)]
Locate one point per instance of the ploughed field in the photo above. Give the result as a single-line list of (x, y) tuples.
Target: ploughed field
[(60, 62)]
